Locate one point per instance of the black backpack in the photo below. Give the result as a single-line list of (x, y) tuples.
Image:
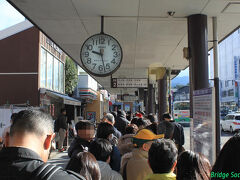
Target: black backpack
[(46, 171), (178, 134)]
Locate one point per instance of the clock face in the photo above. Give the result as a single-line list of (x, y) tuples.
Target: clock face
[(101, 55)]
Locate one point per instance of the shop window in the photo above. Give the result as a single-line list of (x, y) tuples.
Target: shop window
[(49, 71), (43, 68), (224, 93), (231, 92), (52, 72), (61, 77), (226, 83), (56, 75)]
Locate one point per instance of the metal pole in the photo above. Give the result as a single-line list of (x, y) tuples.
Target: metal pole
[(169, 91), (102, 24), (238, 95), (216, 84)]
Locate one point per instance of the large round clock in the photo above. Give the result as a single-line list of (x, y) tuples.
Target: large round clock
[(101, 55)]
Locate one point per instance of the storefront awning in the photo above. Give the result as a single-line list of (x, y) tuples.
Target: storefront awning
[(87, 93), (66, 99)]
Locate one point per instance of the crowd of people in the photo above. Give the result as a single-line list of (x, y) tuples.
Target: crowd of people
[(122, 146)]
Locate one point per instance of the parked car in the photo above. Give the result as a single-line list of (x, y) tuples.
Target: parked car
[(231, 122), (223, 113)]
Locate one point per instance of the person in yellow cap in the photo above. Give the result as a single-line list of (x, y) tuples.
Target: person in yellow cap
[(137, 167)]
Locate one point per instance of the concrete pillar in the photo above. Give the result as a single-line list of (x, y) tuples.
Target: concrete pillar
[(145, 101), (161, 78), (198, 50), (151, 99), (162, 96), (154, 99)]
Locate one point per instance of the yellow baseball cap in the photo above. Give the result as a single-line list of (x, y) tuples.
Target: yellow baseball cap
[(146, 134)]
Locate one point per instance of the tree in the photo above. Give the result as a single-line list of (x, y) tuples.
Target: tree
[(71, 75)]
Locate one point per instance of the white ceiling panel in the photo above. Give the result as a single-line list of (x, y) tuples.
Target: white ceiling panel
[(71, 31), (176, 60), (156, 47), (182, 8), (215, 7), (45, 9), (90, 8), (232, 8)]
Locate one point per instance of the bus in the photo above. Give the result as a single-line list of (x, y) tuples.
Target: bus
[(181, 112)]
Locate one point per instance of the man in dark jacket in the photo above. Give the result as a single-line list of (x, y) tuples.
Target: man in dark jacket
[(27, 149), (85, 134), (174, 128), (121, 121), (167, 128), (109, 118), (178, 136), (61, 128)]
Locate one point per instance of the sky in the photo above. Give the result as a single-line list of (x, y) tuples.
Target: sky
[(8, 15), (184, 73)]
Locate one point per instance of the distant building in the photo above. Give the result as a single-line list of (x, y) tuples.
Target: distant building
[(182, 94), (229, 70), (32, 70), (95, 100)]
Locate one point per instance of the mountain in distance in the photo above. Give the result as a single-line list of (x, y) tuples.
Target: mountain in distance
[(184, 80)]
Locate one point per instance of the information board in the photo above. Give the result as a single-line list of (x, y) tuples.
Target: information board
[(129, 82), (204, 123)]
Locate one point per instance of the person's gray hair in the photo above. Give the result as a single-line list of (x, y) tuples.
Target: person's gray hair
[(32, 121), (110, 117)]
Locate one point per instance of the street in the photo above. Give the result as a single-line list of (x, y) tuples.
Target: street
[(224, 137)]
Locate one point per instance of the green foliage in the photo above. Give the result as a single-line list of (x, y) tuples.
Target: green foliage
[(71, 76)]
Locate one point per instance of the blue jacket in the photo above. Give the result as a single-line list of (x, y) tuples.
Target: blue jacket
[(117, 133), (115, 161)]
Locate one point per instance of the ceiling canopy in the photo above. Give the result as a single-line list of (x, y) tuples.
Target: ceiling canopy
[(149, 36)]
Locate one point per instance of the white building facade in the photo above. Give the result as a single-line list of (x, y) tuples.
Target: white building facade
[(229, 70)]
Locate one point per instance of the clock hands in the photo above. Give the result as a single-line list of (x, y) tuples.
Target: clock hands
[(98, 53), (101, 51)]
